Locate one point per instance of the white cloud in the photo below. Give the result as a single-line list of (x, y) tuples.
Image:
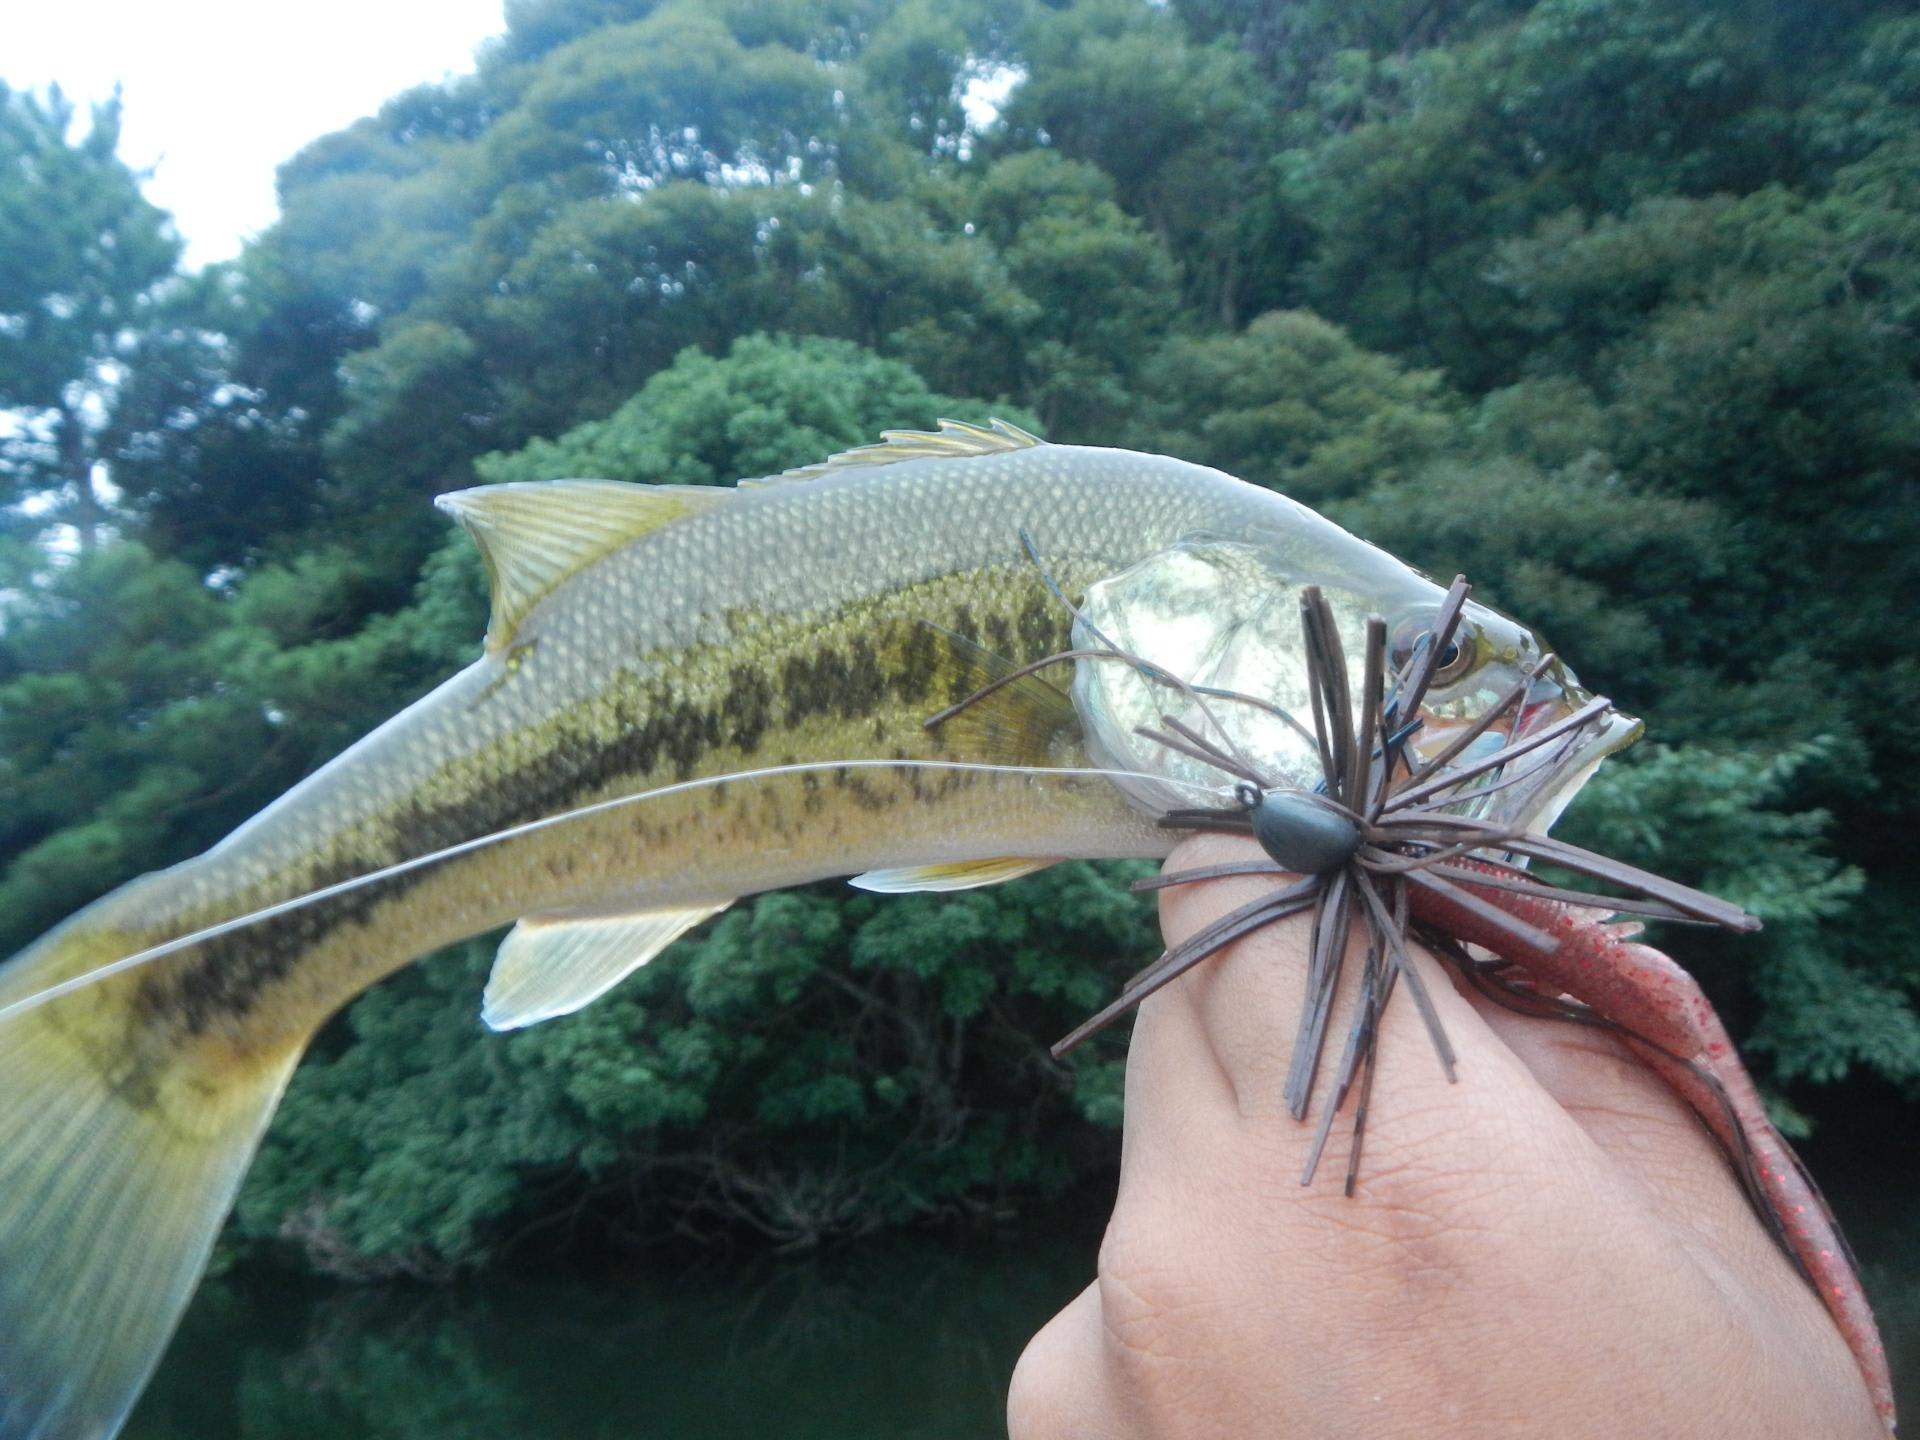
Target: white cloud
[(219, 92)]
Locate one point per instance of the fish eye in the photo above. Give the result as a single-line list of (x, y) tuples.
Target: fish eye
[(1455, 660)]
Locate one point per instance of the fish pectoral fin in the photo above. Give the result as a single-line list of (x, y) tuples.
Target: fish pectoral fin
[(998, 716), (534, 534), (953, 438), (963, 875), (551, 965)]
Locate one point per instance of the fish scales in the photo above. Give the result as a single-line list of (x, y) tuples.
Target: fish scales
[(784, 626)]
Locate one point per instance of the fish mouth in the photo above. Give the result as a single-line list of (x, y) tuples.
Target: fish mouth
[(1556, 753), (1543, 787)]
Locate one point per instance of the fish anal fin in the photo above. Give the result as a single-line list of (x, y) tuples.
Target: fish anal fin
[(960, 875), (954, 438), (534, 534), (552, 965)]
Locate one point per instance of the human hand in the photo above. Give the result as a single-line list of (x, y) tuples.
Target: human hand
[(1552, 1247)]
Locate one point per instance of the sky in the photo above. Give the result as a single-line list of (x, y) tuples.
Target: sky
[(218, 92)]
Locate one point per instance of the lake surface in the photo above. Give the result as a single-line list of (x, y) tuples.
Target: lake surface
[(904, 1339)]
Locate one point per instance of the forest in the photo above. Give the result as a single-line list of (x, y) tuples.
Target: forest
[(1610, 304)]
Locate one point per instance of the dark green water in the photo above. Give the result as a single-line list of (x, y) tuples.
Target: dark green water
[(908, 1339)]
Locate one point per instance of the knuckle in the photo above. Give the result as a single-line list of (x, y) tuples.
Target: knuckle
[(1036, 1410), (1162, 1319)]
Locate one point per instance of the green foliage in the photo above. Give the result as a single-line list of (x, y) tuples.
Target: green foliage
[(1611, 304), (1716, 819), (1098, 286), (674, 95), (83, 246), (634, 284), (112, 730), (83, 253), (143, 715), (770, 405), (1178, 127), (403, 398), (1712, 819), (1291, 402), (1616, 576), (889, 1052)]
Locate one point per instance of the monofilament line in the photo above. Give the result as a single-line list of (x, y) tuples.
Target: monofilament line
[(546, 822)]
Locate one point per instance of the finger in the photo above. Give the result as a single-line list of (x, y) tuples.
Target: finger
[(1648, 1132), (1236, 1017), (1178, 1096), (1488, 1183), (1248, 1008), (1060, 1389), (1211, 1198)]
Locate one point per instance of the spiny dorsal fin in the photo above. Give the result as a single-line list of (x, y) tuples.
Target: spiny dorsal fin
[(954, 438), (554, 964), (534, 534)]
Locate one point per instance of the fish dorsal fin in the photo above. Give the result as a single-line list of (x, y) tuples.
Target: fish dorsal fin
[(534, 534), (552, 965), (964, 875), (954, 438)]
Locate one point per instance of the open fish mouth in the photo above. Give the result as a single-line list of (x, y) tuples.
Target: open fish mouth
[(1548, 786), (1557, 744)]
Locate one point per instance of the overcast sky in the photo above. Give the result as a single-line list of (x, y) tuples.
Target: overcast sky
[(219, 92)]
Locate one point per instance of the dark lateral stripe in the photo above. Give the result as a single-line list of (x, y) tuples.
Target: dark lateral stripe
[(658, 732)]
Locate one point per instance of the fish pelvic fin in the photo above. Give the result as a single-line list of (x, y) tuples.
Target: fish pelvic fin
[(115, 1177)]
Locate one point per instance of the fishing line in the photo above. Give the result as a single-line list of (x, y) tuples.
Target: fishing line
[(513, 832)]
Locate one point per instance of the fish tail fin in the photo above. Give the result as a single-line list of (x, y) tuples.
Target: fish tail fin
[(118, 1163)]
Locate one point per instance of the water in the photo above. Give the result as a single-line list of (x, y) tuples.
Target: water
[(906, 1339)]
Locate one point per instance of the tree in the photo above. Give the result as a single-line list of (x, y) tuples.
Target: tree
[(768, 405), (85, 253), (612, 289), (1175, 127), (1099, 289), (1293, 403)]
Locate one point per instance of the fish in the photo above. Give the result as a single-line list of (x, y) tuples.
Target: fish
[(685, 695)]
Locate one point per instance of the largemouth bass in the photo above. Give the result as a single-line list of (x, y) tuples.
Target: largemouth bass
[(759, 663)]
